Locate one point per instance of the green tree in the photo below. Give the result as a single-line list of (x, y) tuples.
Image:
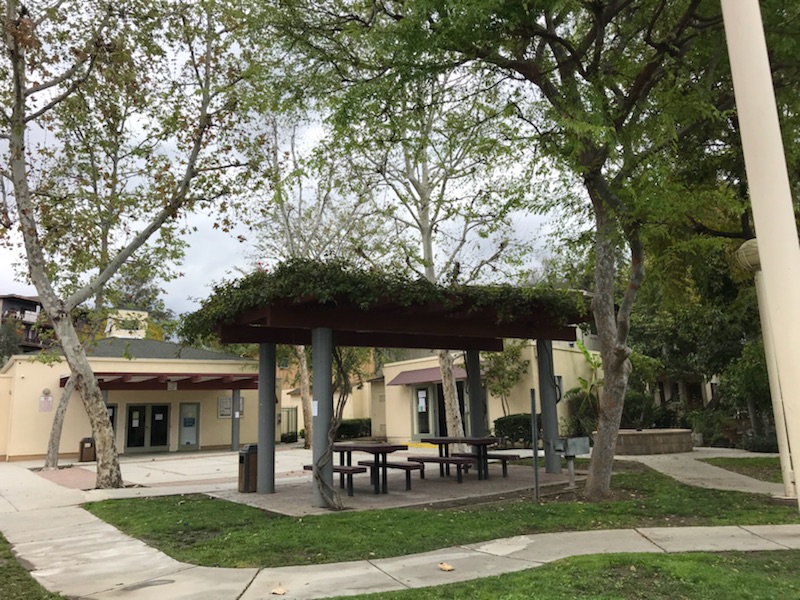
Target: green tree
[(167, 74), (11, 336), (136, 288), (744, 384), (438, 163), (501, 371), (609, 86)]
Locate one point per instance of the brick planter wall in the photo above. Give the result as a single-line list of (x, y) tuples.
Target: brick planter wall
[(653, 441)]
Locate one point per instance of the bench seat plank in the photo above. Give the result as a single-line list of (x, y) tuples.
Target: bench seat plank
[(343, 470), (404, 466), (460, 462), (503, 458)]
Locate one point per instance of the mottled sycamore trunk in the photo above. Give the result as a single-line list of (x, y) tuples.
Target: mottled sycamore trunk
[(305, 395), (455, 426), (51, 461)]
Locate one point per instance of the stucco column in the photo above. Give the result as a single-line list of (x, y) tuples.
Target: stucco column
[(477, 407), (548, 397), (770, 194), (747, 255), (321, 407), (265, 471), (236, 404)]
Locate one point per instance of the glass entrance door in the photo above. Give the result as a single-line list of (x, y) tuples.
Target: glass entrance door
[(422, 411), (159, 427), (189, 426), (147, 427), (136, 426)]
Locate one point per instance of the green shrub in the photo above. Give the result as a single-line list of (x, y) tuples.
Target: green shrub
[(354, 428), (302, 433), (760, 443), (516, 429), (638, 411), (582, 407), (288, 438)]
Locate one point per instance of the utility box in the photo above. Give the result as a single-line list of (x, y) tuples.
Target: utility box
[(248, 465), (574, 446), (86, 450)]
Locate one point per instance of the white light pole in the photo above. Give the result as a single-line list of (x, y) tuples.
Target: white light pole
[(770, 195), (747, 256)]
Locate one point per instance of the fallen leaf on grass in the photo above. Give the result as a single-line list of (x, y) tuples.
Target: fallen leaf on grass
[(279, 591), (443, 566)]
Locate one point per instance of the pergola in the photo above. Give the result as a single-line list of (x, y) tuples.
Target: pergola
[(429, 324)]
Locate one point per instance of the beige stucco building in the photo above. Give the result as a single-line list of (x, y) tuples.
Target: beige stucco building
[(160, 396), (406, 403)]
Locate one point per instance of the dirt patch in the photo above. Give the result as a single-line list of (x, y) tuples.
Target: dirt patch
[(72, 477)]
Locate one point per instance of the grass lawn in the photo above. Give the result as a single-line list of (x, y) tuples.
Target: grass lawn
[(15, 582), (765, 468), (206, 531), (755, 576)]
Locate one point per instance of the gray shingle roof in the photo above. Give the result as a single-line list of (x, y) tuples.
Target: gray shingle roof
[(135, 348)]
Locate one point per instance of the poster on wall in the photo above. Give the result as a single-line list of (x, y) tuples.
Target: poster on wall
[(422, 401), (46, 403), (224, 407)]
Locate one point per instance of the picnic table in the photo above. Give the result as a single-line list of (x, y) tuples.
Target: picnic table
[(479, 444), (379, 450)]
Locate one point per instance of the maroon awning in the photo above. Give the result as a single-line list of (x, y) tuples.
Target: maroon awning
[(432, 375), (127, 380)]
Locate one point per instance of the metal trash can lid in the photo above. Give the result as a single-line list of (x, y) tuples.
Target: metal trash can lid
[(87, 441), (249, 449)]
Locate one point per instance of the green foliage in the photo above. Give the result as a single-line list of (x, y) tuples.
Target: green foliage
[(516, 429), (745, 382), (711, 422), (338, 282), (354, 428), (288, 438), (11, 336), (582, 409), (760, 443), (500, 371)]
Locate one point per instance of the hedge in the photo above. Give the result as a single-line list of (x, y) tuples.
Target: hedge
[(516, 429), (354, 428)]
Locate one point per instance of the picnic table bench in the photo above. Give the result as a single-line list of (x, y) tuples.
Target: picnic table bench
[(344, 471), (404, 466), (460, 462), (503, 458)]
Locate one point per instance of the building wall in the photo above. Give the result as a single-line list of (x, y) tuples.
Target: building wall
[(29, 420), (569, 363), (5, 412), (357, 405), (399, 398)]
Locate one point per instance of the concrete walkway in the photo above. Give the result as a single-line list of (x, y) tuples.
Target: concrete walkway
[(70, 551)]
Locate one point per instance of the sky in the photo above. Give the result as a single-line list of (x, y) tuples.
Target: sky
[(212, 256)]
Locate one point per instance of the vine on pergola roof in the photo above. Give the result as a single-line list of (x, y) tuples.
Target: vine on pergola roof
[(339, 284)]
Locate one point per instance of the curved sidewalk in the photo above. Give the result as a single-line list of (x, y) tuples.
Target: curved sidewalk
[(70, 551)]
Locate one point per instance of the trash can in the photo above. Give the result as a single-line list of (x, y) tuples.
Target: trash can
[(248, 463), (86, 450)]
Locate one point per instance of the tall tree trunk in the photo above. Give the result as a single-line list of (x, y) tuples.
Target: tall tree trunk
[(455, 427), (108, 471), (51, 461), (752, 413), (612, 327), (305, 394)]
